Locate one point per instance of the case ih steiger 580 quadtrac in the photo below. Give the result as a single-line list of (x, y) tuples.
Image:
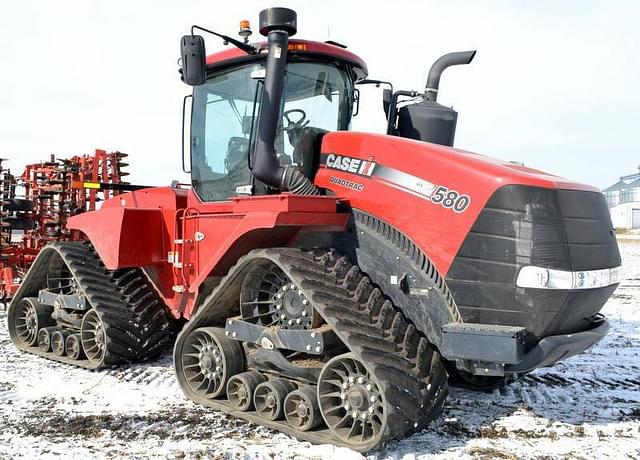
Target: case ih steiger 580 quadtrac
[(333, 281)]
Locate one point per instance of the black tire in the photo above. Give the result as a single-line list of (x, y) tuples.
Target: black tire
[(19, 223), (17, 204)]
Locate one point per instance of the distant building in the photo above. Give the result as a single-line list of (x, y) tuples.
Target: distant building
[(623, 198)]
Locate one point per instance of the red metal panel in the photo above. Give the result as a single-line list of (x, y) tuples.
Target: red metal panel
[(181, 241), (124, 237), (437, 230)]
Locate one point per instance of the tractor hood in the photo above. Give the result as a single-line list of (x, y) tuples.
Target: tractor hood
[(432, 193)]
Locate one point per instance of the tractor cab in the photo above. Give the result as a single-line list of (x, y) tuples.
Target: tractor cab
[(233, 99)]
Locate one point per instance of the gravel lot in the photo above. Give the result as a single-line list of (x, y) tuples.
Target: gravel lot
[(587, 407)]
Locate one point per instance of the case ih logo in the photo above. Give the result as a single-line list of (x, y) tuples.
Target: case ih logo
[(352, 165)]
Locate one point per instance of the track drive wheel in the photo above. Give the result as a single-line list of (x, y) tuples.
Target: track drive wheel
[(27, 318), (209, 360), (352, 402)]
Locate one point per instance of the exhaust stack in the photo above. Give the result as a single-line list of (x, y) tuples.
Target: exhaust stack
[(427, 120), (277, 24), (439, 66)]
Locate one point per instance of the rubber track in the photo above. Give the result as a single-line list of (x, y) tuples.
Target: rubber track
[(135, 323), (412, 377), (407, 247)]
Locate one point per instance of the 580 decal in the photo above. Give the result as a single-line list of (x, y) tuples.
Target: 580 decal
[(369, 168), (450, 199)]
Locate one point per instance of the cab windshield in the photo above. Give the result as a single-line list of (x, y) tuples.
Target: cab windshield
[(317, 98)]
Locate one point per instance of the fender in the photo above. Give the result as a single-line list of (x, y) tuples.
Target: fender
[(134, 229)]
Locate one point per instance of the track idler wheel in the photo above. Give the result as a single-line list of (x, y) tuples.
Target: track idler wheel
[(269, 397), (209, 360), (93, 337), (44, 338), (241, 388), (301, 409), (27, 318), (58, 340), (73, 347), (352, 402)]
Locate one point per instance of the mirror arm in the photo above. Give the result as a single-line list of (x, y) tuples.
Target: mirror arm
[(249, 49)]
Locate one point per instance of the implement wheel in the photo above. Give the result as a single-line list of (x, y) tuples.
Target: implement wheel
[(27, 318)]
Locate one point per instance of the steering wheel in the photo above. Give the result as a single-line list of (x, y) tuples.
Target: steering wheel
[(293, 125)]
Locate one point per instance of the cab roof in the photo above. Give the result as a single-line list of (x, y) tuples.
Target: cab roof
[(300, 48)]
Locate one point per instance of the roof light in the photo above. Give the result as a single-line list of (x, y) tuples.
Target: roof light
[(297, 46), (245, 30), (547, 278)]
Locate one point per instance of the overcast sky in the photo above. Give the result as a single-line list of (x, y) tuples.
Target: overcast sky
[(554, 83)]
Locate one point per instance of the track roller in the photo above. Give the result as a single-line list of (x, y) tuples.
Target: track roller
[(44, 338), (73, 347), (210, 360), (58, 340), (240, 389), (269, 396), (301, 409), (27, 319)]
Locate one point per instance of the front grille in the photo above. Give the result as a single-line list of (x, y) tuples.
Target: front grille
[(521, 225)]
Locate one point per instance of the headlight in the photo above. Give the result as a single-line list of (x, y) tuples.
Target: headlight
[(547, 278)]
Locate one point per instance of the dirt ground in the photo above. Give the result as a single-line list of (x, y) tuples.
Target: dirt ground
[(587, 407)]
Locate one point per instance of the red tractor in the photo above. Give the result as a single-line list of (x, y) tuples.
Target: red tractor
[(334, 282)]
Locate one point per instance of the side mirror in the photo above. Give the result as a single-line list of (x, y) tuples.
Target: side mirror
[(192, 57), (386, 101)]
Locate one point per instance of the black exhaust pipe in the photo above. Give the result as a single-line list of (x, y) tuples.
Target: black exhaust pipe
[(441, 64), (277, 24)]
